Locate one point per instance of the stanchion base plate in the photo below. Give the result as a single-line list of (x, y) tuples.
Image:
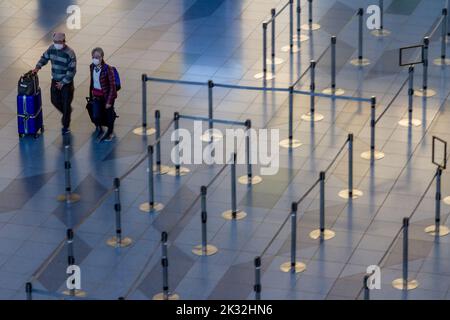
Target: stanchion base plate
[(360, 62), (161, 171), (309, 117), (441, 62), (124, 242), (206, 137), (146, 207), (228, 215), (377, 155), (276, 61), (141, 131), (173, 172), (290, 144), (425, 93), (287, 48), (405, 122), (410, 284), (75, 293), (326, 235), (74, 197), (171, 296), (446, 200), (269, 75), (249, 181), (336, 91), (303, 37), (355, 194), (208, 251), (443, 230), (310, 27), (287, 267), (380, 33)]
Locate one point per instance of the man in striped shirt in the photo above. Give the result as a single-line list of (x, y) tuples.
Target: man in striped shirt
[(64, 67)]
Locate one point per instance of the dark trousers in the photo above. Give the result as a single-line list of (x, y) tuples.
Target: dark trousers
[(62, 100), (102, 115)]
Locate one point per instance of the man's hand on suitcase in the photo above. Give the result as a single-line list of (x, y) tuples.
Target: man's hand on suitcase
[(59, 85)]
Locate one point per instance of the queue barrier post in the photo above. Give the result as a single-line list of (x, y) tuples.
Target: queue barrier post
[(322, 233), (360, 61), (177, 170), (290, 142), (118, 241), (350, 192), (143, 130), (158, 168), (151, 206), (437, 229), (233, 214), (68, 197), (249, 179), (410, 121), (165, 294)]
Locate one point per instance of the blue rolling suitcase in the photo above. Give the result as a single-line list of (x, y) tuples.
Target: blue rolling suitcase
[(29, 114)]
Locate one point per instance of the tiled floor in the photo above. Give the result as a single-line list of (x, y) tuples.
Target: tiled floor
[(220, 40)]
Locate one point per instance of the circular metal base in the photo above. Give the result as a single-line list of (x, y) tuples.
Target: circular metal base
[(441, 62), (355, 194), (269, 75), (425, 93), (161, 171), (310, 26), (409, 285), (290, 144), (156, 207), (74, 197), (446, 200), (287, 48), (287, 267), (206, 137), (209, 250), (309, 117), (141, 131), (336, 91), (303, 37), (249, 181), (276, 61), (405, 122), (75, 293), (124, 242), (443, 230), (360, 62), (380, 33), (377, 155), (171, 296), (228, 215), (173, 172), (326, 235)]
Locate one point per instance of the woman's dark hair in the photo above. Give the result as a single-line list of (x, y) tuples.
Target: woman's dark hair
[(99, 50)]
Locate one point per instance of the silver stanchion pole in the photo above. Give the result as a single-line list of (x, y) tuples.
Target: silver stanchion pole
[(425, 91), (310, 26), (437, 229), (403, 283), (177, 170), (372, 154), (443, 60), (209, 136), (322, 233), (118, 241), (299, 37), (159, 169), (312, 115), (291, 143), (204, 249), (143, 130), (410, 121), (366, 288), (350, 193), (257, 286), (333, 90), (68, 196), (165, 294), (273, 33), (264, 74), (360, 61), (293, 265), (150, 206), (234, 213), (71, 262), (381, 31), (291, 25), (29, 290), (249, 178)]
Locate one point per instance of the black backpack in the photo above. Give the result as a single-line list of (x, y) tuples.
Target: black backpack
[(28, 84)]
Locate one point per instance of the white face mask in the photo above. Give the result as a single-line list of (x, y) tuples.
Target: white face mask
[(58, 46), (95, 61)]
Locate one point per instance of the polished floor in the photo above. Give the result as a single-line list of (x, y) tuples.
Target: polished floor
[(221, 40)]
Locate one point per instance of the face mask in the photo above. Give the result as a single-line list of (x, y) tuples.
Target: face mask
[(58, 46), (96, 61)]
